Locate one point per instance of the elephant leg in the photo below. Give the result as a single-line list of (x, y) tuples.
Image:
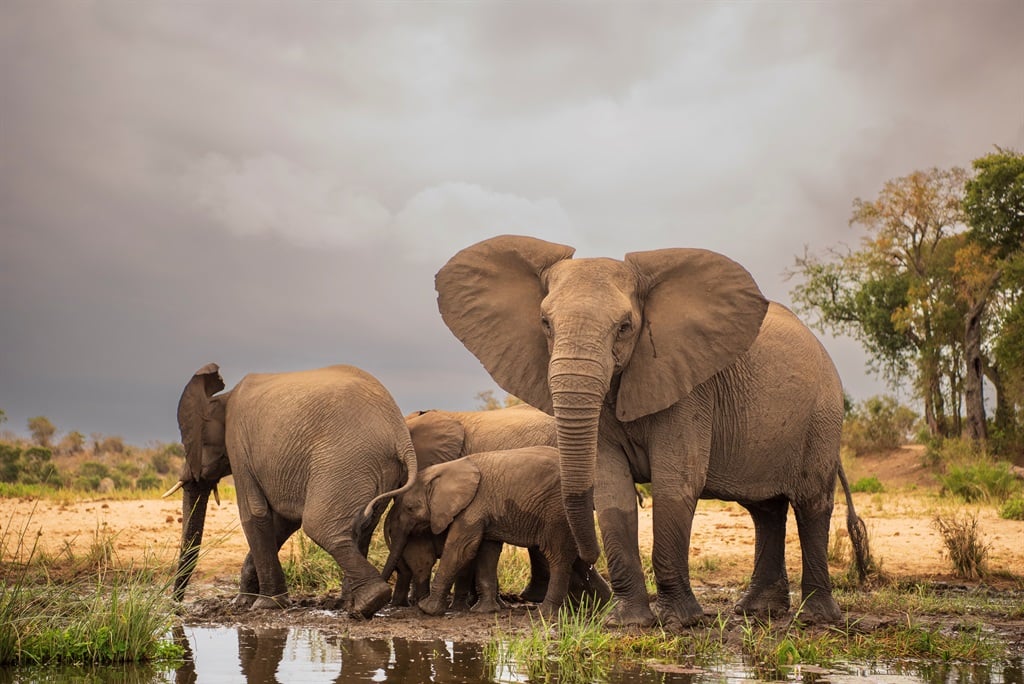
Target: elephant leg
[(369, 592), (460, 548), (463, 594), (486, 575), (261, 533), (679, 454), (560, 565), (812, 522), (414, 569), (587, 585), (539, 573), (615, 500), (768, 592), (403, 581), (249, 583)]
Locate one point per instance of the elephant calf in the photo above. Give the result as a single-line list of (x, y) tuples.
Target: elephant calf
[(481, 501)]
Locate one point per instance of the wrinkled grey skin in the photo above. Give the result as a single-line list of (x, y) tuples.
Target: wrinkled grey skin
[(668, 367), (479, 502), (320, 449), (442, 436)]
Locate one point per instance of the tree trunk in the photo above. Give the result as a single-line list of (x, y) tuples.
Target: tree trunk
[(974, 397)]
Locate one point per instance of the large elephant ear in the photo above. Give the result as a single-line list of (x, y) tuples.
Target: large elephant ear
[(489, 295), (436, 436), (701, 311), (450, 489), (193, 410)]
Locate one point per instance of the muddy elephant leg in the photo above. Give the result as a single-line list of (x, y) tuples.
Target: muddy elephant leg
[(587, 587), (768, 592), (369, 592), (486, 577), (261, 533), (615, 500), (464, 594), (538, 586), (249, 583), (414, 569), (560, 565), (460, 548), (812, 522)]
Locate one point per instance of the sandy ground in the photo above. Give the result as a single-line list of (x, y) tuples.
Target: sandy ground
[(900, 524)]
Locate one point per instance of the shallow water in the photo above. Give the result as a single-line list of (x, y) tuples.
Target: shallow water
[(291, 654)]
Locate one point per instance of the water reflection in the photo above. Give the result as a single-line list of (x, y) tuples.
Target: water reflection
[(279, 654)]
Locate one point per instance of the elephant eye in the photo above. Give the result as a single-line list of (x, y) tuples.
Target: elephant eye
[(546, 324), (625, 326)]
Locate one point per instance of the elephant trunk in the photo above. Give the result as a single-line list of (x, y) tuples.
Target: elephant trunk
[(397, 545), (196, 495), (577, 399)]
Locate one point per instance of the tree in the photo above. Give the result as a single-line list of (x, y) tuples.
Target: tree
[(488, 402), (42, 430), (73, 443), (894, 294), (994, 208)]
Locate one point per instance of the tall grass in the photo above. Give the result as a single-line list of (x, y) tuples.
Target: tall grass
[(964, 546), (110, 615), (573, 647)]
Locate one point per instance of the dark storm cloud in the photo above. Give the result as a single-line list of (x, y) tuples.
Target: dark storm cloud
[(274, 188)]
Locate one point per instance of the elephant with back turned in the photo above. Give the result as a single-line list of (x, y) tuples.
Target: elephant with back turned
[(668, 367), (318, 449)]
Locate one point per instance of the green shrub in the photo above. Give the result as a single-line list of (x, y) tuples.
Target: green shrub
[(940, 452), (91, 469), (867, 484), (1013, 508), (980, 481), (148, 480)]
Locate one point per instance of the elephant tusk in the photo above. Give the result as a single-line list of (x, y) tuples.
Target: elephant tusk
[(216, 495), (172, 489)]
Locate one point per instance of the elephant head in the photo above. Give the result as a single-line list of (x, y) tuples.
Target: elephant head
[(570, 336), (201, 417), (440, 493)]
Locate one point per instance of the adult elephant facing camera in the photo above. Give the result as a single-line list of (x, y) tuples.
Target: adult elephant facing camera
[(669, 367), (321, 449)]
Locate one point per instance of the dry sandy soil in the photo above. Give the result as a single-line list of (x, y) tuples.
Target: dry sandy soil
[(900, 524)]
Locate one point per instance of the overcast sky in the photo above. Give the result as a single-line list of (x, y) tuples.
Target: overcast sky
[(272, 186)]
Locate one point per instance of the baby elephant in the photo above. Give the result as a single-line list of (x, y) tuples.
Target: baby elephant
[(483, 500)]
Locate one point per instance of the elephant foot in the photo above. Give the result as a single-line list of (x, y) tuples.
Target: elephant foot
[(271, 602), (492, 605), (370, 598), (533, 592), (630, 614), (760, 600), (819, 607), (462, 602), (549, 610), (244, 601), (399, 601), (432, 605), (676, 615)]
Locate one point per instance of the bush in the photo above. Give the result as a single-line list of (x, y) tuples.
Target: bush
[(148, 480), (867, 484), (980, 481), (963, 545), (1013, 508), (878, 424), (953, 450)]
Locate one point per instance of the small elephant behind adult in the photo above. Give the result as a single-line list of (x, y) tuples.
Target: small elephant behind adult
[(441, 436), (320, 449), (482, 501)]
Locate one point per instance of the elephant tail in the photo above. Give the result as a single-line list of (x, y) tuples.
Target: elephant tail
[(858, 532), (408, 457)]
